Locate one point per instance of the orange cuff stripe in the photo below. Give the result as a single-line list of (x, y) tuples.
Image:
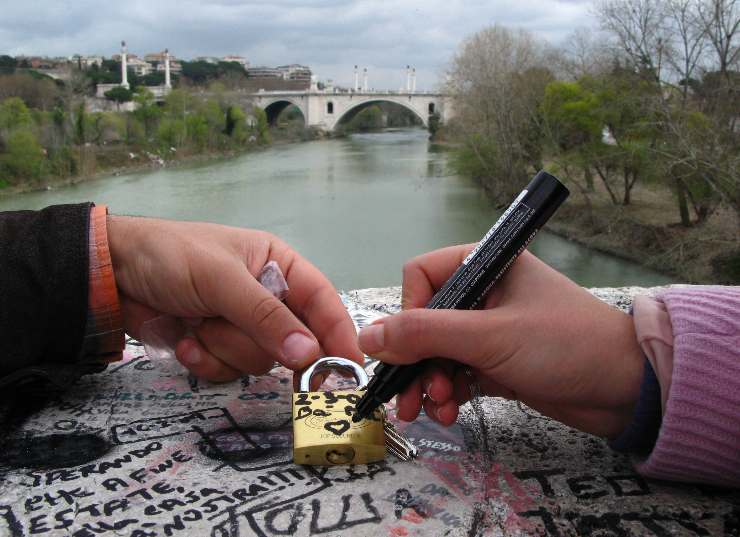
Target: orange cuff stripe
[(105, 337)]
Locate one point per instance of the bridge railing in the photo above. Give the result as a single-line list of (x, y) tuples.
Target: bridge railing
[(337, 91)]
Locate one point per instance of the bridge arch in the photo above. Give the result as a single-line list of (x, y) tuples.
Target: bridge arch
[(274, 108), (354, 108)]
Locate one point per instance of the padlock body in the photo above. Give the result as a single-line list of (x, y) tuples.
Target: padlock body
[(324, 433)]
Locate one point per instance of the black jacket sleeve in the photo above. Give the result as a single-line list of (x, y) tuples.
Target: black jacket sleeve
[(43, 295)]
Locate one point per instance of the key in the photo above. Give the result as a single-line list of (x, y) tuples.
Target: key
[(397, 444)]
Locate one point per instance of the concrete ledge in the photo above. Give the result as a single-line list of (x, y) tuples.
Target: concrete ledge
[(144, 449)]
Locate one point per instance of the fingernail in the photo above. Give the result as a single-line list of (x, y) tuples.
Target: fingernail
[(371, 338), (297, 348), (428, 389), (192, 357)]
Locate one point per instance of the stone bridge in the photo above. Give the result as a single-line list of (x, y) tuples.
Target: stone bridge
[(325, 110)]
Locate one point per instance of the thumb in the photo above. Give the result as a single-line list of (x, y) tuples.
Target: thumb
[(469, 337), (268, 321)]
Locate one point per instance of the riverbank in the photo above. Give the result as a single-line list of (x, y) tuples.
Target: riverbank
[(116, 160), (648, 232)]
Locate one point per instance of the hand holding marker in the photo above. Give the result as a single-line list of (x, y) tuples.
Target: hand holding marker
[(470, 283)]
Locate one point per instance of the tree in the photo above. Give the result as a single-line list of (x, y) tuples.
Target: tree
[(14, 114), (177, 103), (626, 104), (197, 131), (63, 162), (155, 78), (109, 72), (236, 124), (111, 127), (7, 64), (497, 79), (147, 110), (60, 121), (80, 125), (172, 133), (688, 40), (640, 29), (23, 157), (700, 163), (42, 93), (202, 72), (136, 133), (585, 54), (721, 23), (119, 95), (435, 123), (573, 125), (214, 117), (367, 119), (262, 126), (199, 72)]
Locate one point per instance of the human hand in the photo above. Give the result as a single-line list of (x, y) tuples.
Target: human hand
[(540, 339), (205, 274)]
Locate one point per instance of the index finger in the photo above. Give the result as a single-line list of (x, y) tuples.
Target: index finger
[(425, 274), (315, 301)]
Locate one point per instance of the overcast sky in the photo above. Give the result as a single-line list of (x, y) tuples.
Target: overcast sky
[(331, 36)]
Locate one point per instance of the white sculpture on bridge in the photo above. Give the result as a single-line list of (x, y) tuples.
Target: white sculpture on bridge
[(124, 68), (167, 82)]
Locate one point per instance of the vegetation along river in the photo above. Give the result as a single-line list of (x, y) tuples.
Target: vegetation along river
[(357, 207)]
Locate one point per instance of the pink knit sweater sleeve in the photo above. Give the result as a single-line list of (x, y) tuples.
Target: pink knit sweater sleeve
[(699, 439)]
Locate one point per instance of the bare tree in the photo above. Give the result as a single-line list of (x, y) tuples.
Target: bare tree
[(688, 39), (721, 22), (498, 78), (640, 30), (585, 53)]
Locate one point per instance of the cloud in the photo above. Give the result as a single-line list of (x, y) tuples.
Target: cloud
[(329, 35)]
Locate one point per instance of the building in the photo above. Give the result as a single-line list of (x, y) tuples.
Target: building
[(264, 72), (295, 72), (140, 67), (292, 77), (175, 67), (86, 62), (237, 59), (37, 62), (157, 57)]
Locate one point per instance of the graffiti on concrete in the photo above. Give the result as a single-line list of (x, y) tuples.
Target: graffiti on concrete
[(144, 449)]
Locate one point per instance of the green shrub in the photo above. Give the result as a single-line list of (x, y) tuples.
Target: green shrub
[(172, 133)]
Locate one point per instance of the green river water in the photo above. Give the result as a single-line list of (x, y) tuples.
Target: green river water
[(357, 207)]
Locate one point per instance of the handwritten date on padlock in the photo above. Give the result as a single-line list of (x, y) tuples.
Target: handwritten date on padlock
[(325, 405)]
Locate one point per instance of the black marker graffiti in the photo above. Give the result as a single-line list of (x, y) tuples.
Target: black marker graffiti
[(53, 451)]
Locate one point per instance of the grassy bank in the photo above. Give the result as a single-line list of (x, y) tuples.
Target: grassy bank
[(41, 147), (117, 160), (648, 232)]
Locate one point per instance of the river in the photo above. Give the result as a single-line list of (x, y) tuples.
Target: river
[(357, 207)]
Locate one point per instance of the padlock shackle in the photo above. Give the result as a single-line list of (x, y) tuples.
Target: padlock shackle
[(333, 362)]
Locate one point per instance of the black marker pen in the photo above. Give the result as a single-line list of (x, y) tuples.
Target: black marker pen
[(470, 283)]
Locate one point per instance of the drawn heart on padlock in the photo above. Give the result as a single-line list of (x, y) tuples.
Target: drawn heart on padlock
[(337, 427)]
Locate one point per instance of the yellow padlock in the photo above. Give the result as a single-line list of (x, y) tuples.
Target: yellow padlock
[(324, 432)]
